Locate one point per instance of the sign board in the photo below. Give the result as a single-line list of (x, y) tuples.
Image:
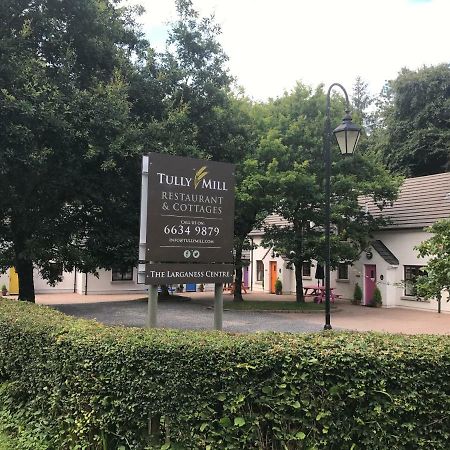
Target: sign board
[(190, 210), (190, 218), (189, 273)]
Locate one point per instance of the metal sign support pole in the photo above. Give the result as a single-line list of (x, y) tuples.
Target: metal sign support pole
[(152, 315), (218, 306)]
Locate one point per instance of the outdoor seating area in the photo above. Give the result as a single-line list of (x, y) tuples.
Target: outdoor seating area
[(231, 287), (317, 294)]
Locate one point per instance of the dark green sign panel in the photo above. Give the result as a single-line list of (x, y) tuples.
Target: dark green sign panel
[(188, 273), (190, 210)]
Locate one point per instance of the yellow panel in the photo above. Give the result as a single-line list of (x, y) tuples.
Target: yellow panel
[(13, 281)]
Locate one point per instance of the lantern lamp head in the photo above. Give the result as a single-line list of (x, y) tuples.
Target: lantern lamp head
[(347, 135)]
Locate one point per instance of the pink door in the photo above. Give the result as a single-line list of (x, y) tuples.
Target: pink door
[(245, 270), (370, 278)]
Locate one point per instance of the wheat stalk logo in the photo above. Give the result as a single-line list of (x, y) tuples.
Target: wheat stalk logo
[(199, 175)]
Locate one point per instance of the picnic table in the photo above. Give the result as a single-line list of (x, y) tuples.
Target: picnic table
[(231, 287), (317, 293)]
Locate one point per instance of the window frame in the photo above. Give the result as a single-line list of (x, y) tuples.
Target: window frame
[(307, 273), (409, 284), (125, 275), (339, 273), (259, 270)]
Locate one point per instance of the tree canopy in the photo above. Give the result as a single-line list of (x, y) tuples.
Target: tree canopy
[(295, 127), (414, 138)]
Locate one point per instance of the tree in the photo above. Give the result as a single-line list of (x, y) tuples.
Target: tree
[(65, 126), (436, 278), (216, 124), (361, 101), (297, 125), (253, 203), (415, 122)]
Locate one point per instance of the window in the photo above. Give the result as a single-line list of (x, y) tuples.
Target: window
[(259, 271), (306, 269), (343, 271), (122, 273), (411, 273)]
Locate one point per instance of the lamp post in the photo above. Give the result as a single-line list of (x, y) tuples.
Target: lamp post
[(347, 135)]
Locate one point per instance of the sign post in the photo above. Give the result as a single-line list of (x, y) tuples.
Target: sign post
[(218, 306), (189, 225), (152, 315)]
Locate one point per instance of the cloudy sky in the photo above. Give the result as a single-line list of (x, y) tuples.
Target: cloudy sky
[(273, 43)]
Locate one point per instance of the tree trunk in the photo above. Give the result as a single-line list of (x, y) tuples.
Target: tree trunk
[(299, 296), (24, 270), (238, 280)]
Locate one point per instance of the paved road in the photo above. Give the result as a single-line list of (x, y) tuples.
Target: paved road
[(187, 315), (195, 314)]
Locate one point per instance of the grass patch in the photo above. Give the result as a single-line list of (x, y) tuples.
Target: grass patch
[(256, 305)]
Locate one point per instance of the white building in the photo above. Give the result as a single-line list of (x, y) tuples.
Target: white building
[(107, 282), (391, 262)]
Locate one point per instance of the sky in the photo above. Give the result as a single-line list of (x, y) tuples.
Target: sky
[(272, 44)]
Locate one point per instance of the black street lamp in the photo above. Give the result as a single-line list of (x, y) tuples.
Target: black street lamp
[(347, 135)]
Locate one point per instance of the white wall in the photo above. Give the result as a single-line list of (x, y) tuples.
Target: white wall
[(103, 284), (72, 282), (4, 280), (401, 243), (42, 287), (390, 279), (287, 276)]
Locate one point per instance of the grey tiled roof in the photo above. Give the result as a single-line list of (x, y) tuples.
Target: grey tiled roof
[(271, 219), (421, 202)]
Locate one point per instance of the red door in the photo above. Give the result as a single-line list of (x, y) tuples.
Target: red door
[(273, 276), (370, 279)]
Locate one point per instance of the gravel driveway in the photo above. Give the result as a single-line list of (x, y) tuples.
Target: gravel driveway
[(187, 315)]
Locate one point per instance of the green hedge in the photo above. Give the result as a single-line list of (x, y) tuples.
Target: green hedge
[(94, 387)]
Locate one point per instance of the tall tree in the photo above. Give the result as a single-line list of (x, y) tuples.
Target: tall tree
[(416, 121), (297, 124), (361, 100), (64, 126)]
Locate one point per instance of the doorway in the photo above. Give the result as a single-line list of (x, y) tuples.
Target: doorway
[(13, 282), (370, 283), (245, 276), (273, 276)]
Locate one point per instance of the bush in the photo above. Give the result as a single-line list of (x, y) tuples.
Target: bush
[(84, 385), (357, 295), (376, 299), (278, 286)]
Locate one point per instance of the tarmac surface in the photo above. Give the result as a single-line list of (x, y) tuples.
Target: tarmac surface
[(195, 311)]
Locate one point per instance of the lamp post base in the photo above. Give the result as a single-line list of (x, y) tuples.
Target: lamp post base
[(327, 326)]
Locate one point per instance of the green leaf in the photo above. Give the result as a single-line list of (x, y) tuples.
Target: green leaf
[(225, 422), (300, 435), (239, 421)]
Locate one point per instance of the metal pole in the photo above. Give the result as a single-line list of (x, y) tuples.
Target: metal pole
[(327, 157), (218, 306), (152, 314), (327, 218)]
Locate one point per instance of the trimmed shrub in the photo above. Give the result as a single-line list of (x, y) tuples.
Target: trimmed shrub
[(92, 386), (377, 300), (357, 295), (278, 286)]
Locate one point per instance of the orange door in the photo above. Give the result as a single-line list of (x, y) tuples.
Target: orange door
[(13, 281), (273, 276)]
